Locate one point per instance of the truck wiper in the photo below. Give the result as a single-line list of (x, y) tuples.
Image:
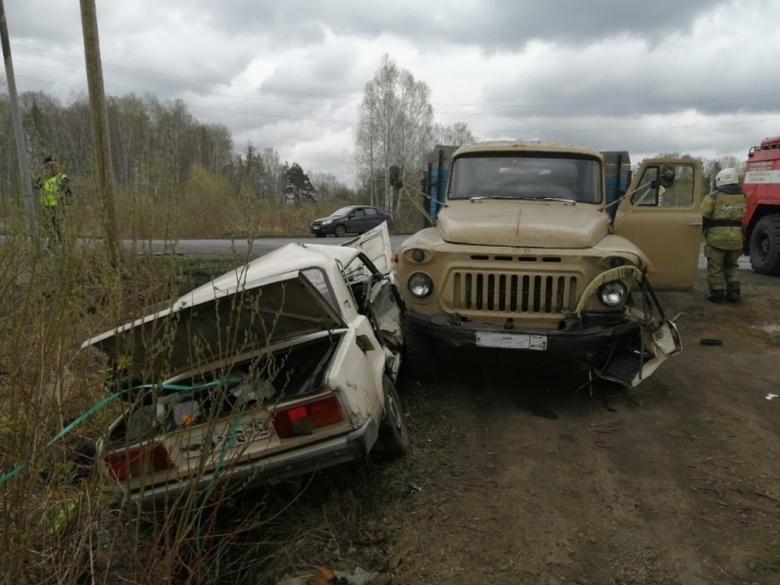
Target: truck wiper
[(482, 197), (551, 199)]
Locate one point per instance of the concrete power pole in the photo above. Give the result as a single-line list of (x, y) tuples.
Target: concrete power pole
[(97, 98), (21, 149)]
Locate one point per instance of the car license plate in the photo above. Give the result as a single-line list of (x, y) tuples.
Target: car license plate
[(245, 433), (512, 341)]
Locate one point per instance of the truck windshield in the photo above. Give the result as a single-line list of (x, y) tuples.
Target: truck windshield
[(530, 176)]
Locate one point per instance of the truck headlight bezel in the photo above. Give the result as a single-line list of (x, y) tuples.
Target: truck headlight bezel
[(420, 285), (613, 294)]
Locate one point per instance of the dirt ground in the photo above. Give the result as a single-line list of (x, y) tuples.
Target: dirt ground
[(517, 474), (524, 479)]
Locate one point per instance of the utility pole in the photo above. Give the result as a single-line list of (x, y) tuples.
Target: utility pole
[(21, 149), (97, 99)]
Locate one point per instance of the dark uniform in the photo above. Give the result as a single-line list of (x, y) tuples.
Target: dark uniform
[(722, 212)]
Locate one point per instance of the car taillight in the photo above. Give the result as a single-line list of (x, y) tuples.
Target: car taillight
[(302, 419), (132, 462)]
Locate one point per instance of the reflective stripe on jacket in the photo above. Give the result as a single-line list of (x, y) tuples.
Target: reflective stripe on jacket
[(52, 189), (723, 213)]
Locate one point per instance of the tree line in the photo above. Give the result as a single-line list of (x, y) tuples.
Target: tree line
[(154, 147)]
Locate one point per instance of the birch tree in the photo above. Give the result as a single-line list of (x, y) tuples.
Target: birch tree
[(457, 134), (395, 127)]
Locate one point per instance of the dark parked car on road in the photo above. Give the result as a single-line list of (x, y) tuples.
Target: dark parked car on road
[(353, 219)]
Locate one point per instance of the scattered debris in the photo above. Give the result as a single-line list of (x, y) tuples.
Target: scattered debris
[(771, 396), (359, 577), (770, 328), (409, 489), (325, 576)]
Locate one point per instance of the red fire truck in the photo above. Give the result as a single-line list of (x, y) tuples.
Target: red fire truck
[(762, 220)]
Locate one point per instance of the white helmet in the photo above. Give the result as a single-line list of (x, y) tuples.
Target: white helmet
[(727, 177)]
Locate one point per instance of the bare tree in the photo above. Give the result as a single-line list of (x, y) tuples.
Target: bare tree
[(274, 174), (395, 127), (457, 134)]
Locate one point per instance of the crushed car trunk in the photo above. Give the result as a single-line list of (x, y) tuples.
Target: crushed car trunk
[(288, 373), (211, 325)]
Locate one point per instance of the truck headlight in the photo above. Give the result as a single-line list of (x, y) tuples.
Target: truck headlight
[(420, 285), (613, 293)]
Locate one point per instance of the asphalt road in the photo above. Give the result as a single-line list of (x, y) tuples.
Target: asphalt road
[(260, 246), (229, 248)]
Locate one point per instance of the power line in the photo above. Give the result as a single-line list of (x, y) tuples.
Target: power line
[(516, 131), (212, 109), (465, 105), (258, 88), (151, 83), (603, 130), (336, 106)]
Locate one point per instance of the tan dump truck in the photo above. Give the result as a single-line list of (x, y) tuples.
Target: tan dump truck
[(525, 255)]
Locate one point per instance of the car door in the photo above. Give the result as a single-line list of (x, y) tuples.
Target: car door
[(373, 218), (385, 307), (357, 221), (660, 214), (375, 244)]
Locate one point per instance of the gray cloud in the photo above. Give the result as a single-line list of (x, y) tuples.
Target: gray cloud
[(683, 76), (491, 24)]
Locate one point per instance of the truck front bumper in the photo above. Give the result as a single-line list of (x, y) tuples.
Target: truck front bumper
[(596, 332)]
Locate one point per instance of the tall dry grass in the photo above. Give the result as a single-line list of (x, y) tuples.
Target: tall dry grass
[(58, 519)]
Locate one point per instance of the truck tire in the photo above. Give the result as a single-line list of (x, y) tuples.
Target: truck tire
[(340, 231), (765, 246), (419, 361), (393, 439)]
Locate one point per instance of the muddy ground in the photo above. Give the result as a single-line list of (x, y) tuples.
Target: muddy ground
[(517, 474)]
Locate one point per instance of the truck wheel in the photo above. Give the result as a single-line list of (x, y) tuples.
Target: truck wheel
[(340, 231), (765, 246), (419, 361), (393, 439)]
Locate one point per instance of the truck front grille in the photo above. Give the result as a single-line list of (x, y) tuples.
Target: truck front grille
[(513, 293)]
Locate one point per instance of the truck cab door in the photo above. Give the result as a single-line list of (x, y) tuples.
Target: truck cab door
[(660, 214)]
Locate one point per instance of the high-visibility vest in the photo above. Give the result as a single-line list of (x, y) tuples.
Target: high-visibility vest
[(50, 194)]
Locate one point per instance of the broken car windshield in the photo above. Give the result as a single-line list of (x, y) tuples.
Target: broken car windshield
[(530, 176)]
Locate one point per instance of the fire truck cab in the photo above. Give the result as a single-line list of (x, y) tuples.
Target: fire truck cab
[(762, 220)]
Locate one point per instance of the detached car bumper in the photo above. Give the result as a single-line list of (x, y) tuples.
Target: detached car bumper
[(295, 462)]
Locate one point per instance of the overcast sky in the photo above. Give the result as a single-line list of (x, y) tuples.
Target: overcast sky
[(693, 76)]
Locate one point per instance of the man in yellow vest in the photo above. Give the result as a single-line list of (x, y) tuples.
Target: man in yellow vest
[(722, 212), (55, 196)]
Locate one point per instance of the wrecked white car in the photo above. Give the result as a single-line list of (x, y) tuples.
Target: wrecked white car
[(277, 369)]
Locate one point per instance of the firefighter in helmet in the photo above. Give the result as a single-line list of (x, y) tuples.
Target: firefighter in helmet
[(55, 197), (722, 212)]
